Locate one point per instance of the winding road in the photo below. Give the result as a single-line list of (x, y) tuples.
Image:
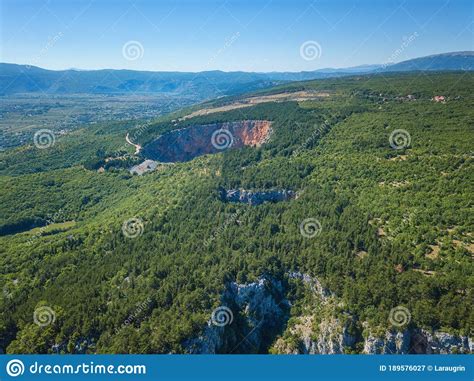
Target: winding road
[(138, 147)]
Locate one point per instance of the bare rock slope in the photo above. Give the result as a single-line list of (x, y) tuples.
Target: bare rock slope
[(187, 143)]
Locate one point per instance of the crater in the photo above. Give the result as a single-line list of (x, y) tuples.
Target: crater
[(187, 143)]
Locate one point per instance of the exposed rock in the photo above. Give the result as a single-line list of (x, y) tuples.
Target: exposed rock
[(418, 341), (391, 343), (444, 343), (313, 283), (332, 338), (146, 166), (211, 341), (187, 143), (82, 345), (253, 197), (259, 310), (309, 334), (333, 335)]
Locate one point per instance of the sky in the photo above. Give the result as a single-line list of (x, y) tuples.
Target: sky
[(262, 36)]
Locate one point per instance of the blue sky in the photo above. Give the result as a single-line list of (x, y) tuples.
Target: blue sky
[(229, 35)]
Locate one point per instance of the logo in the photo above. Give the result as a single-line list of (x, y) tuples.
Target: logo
[(44, 139), (222, 316), (132, 228), (132, 50), (399, 139), (222, 139), (44, 316), (310, 227), (15, 368), (310, 50), (399, 316)]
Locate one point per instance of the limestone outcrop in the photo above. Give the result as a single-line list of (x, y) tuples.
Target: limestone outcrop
[(255, 197)]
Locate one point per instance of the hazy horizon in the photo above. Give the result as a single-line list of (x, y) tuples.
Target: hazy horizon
[(224, 71)]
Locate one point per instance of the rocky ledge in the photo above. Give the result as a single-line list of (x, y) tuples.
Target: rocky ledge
[(253, 197)]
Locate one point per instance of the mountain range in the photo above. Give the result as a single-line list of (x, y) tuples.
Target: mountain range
[(16, 78)]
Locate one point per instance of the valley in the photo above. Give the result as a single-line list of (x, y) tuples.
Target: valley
[(22, 114)]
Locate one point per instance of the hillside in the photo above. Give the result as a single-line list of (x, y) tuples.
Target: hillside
[(348, 229), (437, 62)]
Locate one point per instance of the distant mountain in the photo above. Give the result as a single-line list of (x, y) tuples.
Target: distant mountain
[(203, 85), (437, 62), (356, 69), (26, 79)]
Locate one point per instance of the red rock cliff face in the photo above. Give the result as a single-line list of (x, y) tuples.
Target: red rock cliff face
[(187, 143), (256, 134)]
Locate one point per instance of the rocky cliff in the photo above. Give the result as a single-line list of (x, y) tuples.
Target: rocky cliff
[(254, 197), (255, 313), (418, 341), (333, 336), (338, 333), (187, 143), (257, 321)]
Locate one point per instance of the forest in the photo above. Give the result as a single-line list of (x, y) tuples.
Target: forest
[(396, 223)]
